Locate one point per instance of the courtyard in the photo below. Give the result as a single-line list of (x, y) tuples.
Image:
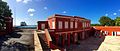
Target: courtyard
[(107, 43), (20, 40)]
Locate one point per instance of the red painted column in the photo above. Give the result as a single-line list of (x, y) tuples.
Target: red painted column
[(63, 40), (68, 39), (73, 38), (57, 37), (83, 35)]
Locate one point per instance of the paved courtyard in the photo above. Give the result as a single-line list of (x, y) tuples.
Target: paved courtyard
[(111, 43), (108, 43), (89, 44), (20, 40)]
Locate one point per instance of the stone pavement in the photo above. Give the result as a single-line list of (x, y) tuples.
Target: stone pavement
[(111, 43), (20, 40), (90, 44)]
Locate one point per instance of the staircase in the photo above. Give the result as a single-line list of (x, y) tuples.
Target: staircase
[(46, 42), (43, 42)]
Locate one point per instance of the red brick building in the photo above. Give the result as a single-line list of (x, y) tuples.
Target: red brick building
[(65, 30), (8, 26)]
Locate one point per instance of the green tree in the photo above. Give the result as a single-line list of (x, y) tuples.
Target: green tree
[(4, 12), (104, 20), (112, 23), (117, 21)]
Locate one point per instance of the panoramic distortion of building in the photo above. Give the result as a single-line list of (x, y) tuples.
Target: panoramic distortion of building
[(65, 30)]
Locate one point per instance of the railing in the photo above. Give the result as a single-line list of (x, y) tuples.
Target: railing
[(37, 43), (48, 37), (49, 41)]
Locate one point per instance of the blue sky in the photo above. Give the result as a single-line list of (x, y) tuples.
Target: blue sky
[(32, 11)]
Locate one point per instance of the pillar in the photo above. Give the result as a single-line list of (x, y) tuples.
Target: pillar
[(68, 36), (74, 38), (56, 37), (83, 35), (63, 40)]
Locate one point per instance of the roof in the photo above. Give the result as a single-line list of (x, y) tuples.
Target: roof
[(65, 16), (42, 21), (62, 15)]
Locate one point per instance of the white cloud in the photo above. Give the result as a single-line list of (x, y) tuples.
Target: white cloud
[(26, 1), (31, 10), (119, 10), (45, 8), (106, 14), (18, 0), (31, 14), (64, 12), (114, 13)]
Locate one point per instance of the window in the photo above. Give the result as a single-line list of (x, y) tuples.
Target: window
[(75, 24), (42, 26), (53, 25), (87, 24), (66, 24), (71, 24), (114, 33), (106, 32), (118, 33), (60, 24), (83, 24)]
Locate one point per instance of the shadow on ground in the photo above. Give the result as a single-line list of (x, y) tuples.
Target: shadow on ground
[(13, 46), (90, 44), (15, 35)]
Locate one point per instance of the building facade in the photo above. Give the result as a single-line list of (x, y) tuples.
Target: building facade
[(65, 30), (108, 30), (8, 28)]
